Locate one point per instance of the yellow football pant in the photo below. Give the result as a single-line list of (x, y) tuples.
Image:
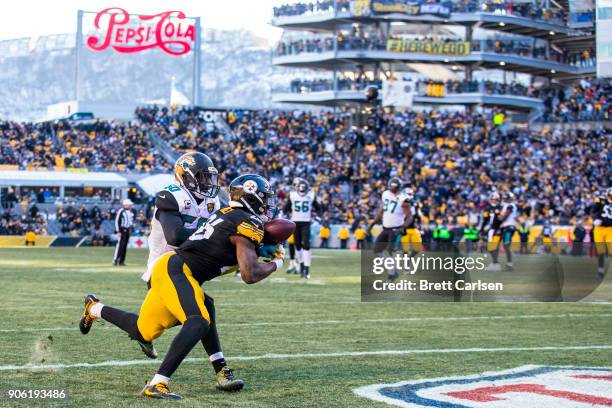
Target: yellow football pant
[(493, 241), (603, 239), (412, 237), (174, 296)]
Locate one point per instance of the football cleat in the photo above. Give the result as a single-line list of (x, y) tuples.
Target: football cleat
[(291, 269), (227, 382), (87, 319), (159, 391), (147, 348), (494, 267), (510, 265)]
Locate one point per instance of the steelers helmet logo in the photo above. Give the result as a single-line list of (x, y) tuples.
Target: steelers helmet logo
[(250, 186)]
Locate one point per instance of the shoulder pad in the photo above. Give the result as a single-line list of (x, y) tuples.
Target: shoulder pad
[(251, 229), (165, 201), (256, 221)]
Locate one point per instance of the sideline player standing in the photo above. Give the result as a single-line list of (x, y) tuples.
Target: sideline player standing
[(123, 224), (412, 236), (302, 202), (602, 233), (395, 215), (493, 216), (508, 225)]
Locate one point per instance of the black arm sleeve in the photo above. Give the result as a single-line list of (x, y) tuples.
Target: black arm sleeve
[(316, 207), (595, 209), (287, 207), (170, 219), (172, 224)]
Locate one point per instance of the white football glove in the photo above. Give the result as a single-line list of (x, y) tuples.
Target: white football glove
[(279, 257)]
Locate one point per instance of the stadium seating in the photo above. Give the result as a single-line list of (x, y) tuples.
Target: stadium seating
[(453, 160)]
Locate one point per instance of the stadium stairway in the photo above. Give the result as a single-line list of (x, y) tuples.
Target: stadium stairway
[(167, 152), (224, 128)]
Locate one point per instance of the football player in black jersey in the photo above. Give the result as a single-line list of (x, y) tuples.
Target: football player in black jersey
[(601, 213), (180, 209), (490, 227), (229, 239)]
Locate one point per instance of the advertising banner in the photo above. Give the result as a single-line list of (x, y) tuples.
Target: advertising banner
[(429, 47), (412, 8)]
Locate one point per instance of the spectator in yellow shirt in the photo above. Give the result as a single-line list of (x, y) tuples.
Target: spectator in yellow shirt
[(343, 235), (360, 236), (30, 238), (324, 235)]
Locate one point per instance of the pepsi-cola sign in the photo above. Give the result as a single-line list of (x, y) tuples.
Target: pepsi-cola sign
[(126, 33)]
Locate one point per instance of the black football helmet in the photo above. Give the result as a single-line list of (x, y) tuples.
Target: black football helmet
[(302, 187), (394, 184), (494, 198), (255, 194), (409, 193), (196, 172)]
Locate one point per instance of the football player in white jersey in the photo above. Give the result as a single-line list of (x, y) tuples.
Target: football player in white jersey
[(181, 208), (301, 204), (495, 215), (293, 264), (508, 225), (396, 215)]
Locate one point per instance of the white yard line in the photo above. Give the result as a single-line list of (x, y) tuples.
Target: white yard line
[(124, 363), (387, 320)]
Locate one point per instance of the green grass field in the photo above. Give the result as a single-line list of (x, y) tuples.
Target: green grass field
[(317, 325)]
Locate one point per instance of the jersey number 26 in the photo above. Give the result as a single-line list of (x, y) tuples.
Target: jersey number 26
[(206, 230)]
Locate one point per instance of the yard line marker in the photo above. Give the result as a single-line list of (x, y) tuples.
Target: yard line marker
[(272, 356), (384, 320)]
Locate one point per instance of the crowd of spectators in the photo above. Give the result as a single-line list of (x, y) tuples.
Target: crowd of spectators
[(13, 223), (323, 84), (98, 146), (108, 145), (94, 221), (523, 48), (450, 86), (453, 160), (320, 7), (536, 10), (42, 211), (586, 100), (358, 40), (28, 145)]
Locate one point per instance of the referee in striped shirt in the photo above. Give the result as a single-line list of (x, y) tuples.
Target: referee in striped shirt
[(123, 226)]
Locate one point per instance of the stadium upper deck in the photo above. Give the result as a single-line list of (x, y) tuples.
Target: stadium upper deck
[(385, 38), (530, 19)]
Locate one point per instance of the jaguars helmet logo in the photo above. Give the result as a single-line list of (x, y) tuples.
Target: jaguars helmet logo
[(186, 162)]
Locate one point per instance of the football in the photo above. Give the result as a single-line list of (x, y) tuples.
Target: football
[(277, 231)]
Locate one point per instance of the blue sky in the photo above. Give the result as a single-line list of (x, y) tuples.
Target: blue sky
[(27, 18)]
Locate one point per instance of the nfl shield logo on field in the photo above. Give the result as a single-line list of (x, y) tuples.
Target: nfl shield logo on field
[(528, 386)]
